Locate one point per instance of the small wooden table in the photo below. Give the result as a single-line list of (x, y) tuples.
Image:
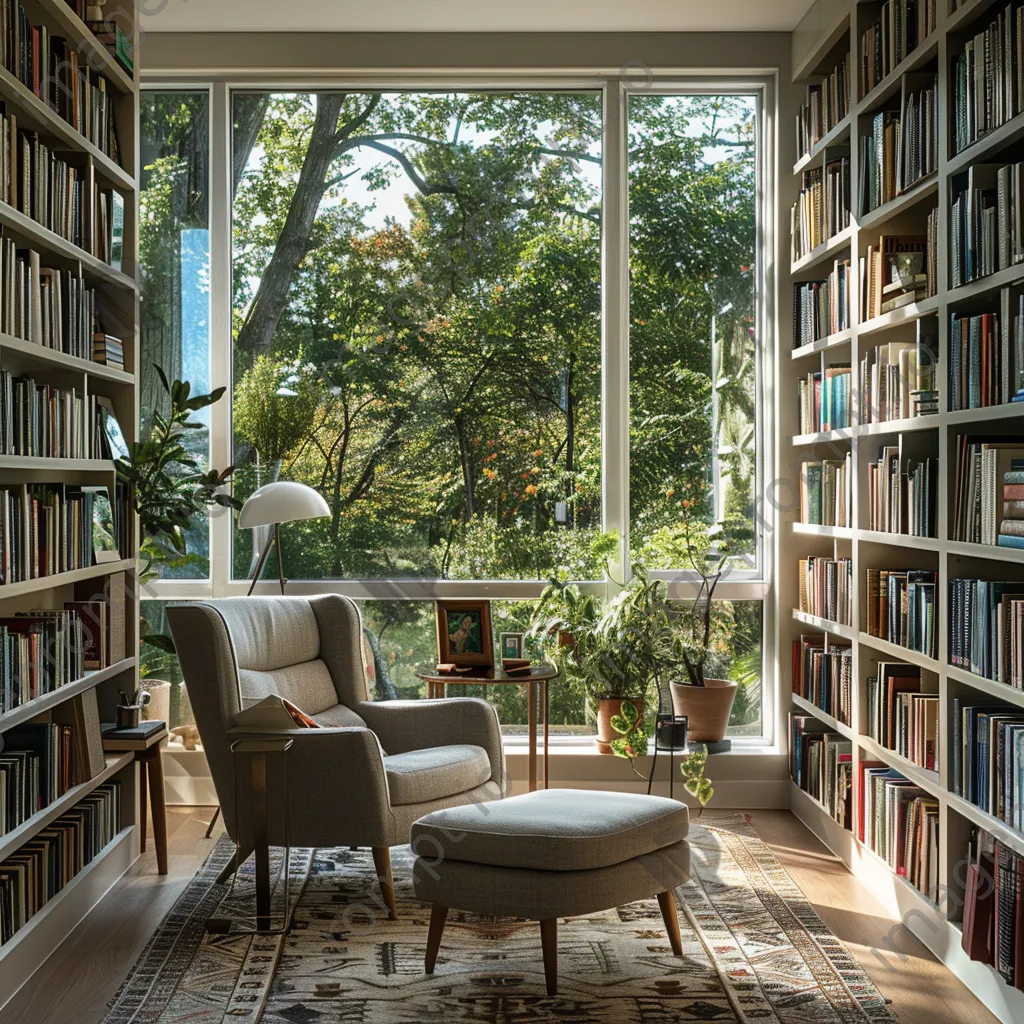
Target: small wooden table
[(536, 683), (147, 754)]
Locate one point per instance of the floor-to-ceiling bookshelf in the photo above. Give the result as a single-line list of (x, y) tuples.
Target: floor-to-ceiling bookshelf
[(36, 111), (831, 31)]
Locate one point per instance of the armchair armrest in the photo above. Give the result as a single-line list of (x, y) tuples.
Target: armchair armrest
[(404, 725)]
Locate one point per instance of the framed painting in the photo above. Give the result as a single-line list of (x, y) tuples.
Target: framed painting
[(464, 634)]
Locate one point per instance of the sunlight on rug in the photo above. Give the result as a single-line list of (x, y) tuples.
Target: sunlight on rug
[(754, 950)]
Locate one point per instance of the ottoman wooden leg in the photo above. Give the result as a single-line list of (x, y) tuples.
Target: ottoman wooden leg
[(667, 902), (438, 916), (549, 944), (382, 865)]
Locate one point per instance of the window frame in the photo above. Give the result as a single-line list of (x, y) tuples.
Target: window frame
[(615, 88)]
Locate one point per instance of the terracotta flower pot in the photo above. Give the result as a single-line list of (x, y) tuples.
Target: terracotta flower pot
[(606, 708), (707, 707)]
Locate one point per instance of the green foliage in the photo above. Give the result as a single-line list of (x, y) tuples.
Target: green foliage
[(632, 739), (692, 766)]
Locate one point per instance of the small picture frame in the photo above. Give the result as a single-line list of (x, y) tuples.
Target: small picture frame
[(511, 646), (464, 635), (104, 529)]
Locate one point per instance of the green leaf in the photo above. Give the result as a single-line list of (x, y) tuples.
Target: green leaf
[(628, 711)]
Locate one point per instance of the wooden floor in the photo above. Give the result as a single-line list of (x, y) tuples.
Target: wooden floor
[(76, 984)]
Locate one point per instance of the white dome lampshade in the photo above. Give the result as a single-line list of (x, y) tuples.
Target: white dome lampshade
[(282, 502)]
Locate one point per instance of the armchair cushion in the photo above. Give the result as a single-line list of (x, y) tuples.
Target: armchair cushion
[(308, 686), (435, 773), (338, 716)]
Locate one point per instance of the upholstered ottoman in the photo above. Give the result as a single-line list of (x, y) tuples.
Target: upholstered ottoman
[(550, 854)]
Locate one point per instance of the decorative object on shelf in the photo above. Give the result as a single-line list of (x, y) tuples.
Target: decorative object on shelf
[(511, 646), (464, 634), (283, 501)]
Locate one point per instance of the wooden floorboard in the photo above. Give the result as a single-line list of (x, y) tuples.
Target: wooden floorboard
[(79, 980)]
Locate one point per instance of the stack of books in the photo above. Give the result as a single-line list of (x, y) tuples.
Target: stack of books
[(901, 26), (986, 221), (821, 308), (977, 371), (988, 87), (825, 492), (836, 211), (823, 674), (821, 764), (825, 400), (919, 148), (108, 350), (805, 219), (46, 422), (987, 493), (50, 67), (37, 871), (879, 161), (895, 273), (901, 608), (986, 632), (903, 494), (826, 588), (900, 822), (902, 718), (41, 651), (988, 756), (826, 105)]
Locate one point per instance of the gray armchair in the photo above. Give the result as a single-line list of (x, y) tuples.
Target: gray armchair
[(372, 768)]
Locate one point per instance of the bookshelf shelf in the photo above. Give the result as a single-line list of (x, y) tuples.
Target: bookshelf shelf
[(917, 193), (992, 551), (890, 85), (899, 540), (26, 712), (824, 716), (813, 530), (898, 317), (928, 780), (824, 252), (823, 437), (1001, 690), (895, 651), (984, 285), (30, 463), (811, 62), (831, 341), (966, 13), (32, 112), (836, 628), (830, 138), (38, 357), (34, 825), (989, 822), (982, 150), (97, 56), (898, 426), (62, 579), (965, 417), (27, 232)]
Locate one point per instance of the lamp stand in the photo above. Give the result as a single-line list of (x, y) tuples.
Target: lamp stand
[(274, 540)]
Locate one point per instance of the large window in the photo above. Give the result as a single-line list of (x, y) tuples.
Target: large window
[(412, 296)]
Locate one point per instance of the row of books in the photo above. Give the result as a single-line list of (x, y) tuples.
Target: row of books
[(821, 308), (988, 496), (50, 67), (897, 379), (822, 208), (900, 822), (903, 494), (986, 629), (823, 674), (988, 756), (826, 104), (993, 916), (901, 608), (826, 492), (901, 717), (61, 197), (51, 528), (49, 307), (825, 400), (986, 221), (988, 77), (821, 764), (826, 588), (42, 421), (901, 27), (980, 372), (39, 869), (898, 271)]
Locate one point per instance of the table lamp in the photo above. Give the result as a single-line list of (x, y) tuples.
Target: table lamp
[(274, 504)]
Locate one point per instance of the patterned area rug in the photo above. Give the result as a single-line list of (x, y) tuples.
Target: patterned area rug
[(753, 951)]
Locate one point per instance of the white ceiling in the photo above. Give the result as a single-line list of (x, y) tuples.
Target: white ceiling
[(472, 15)]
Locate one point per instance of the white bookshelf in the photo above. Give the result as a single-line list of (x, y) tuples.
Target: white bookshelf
[(830, 30), (118, 291)]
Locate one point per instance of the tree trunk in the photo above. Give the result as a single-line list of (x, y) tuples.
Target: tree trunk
[(248, 110), (570, 445), (466, 462)]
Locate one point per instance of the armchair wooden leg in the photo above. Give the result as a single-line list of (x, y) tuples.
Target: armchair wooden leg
[(549, 944), (382, 865), (438, 916), (667, 902), (236, 861)]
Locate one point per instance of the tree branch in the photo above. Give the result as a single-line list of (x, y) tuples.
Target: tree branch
[(423, 186)]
